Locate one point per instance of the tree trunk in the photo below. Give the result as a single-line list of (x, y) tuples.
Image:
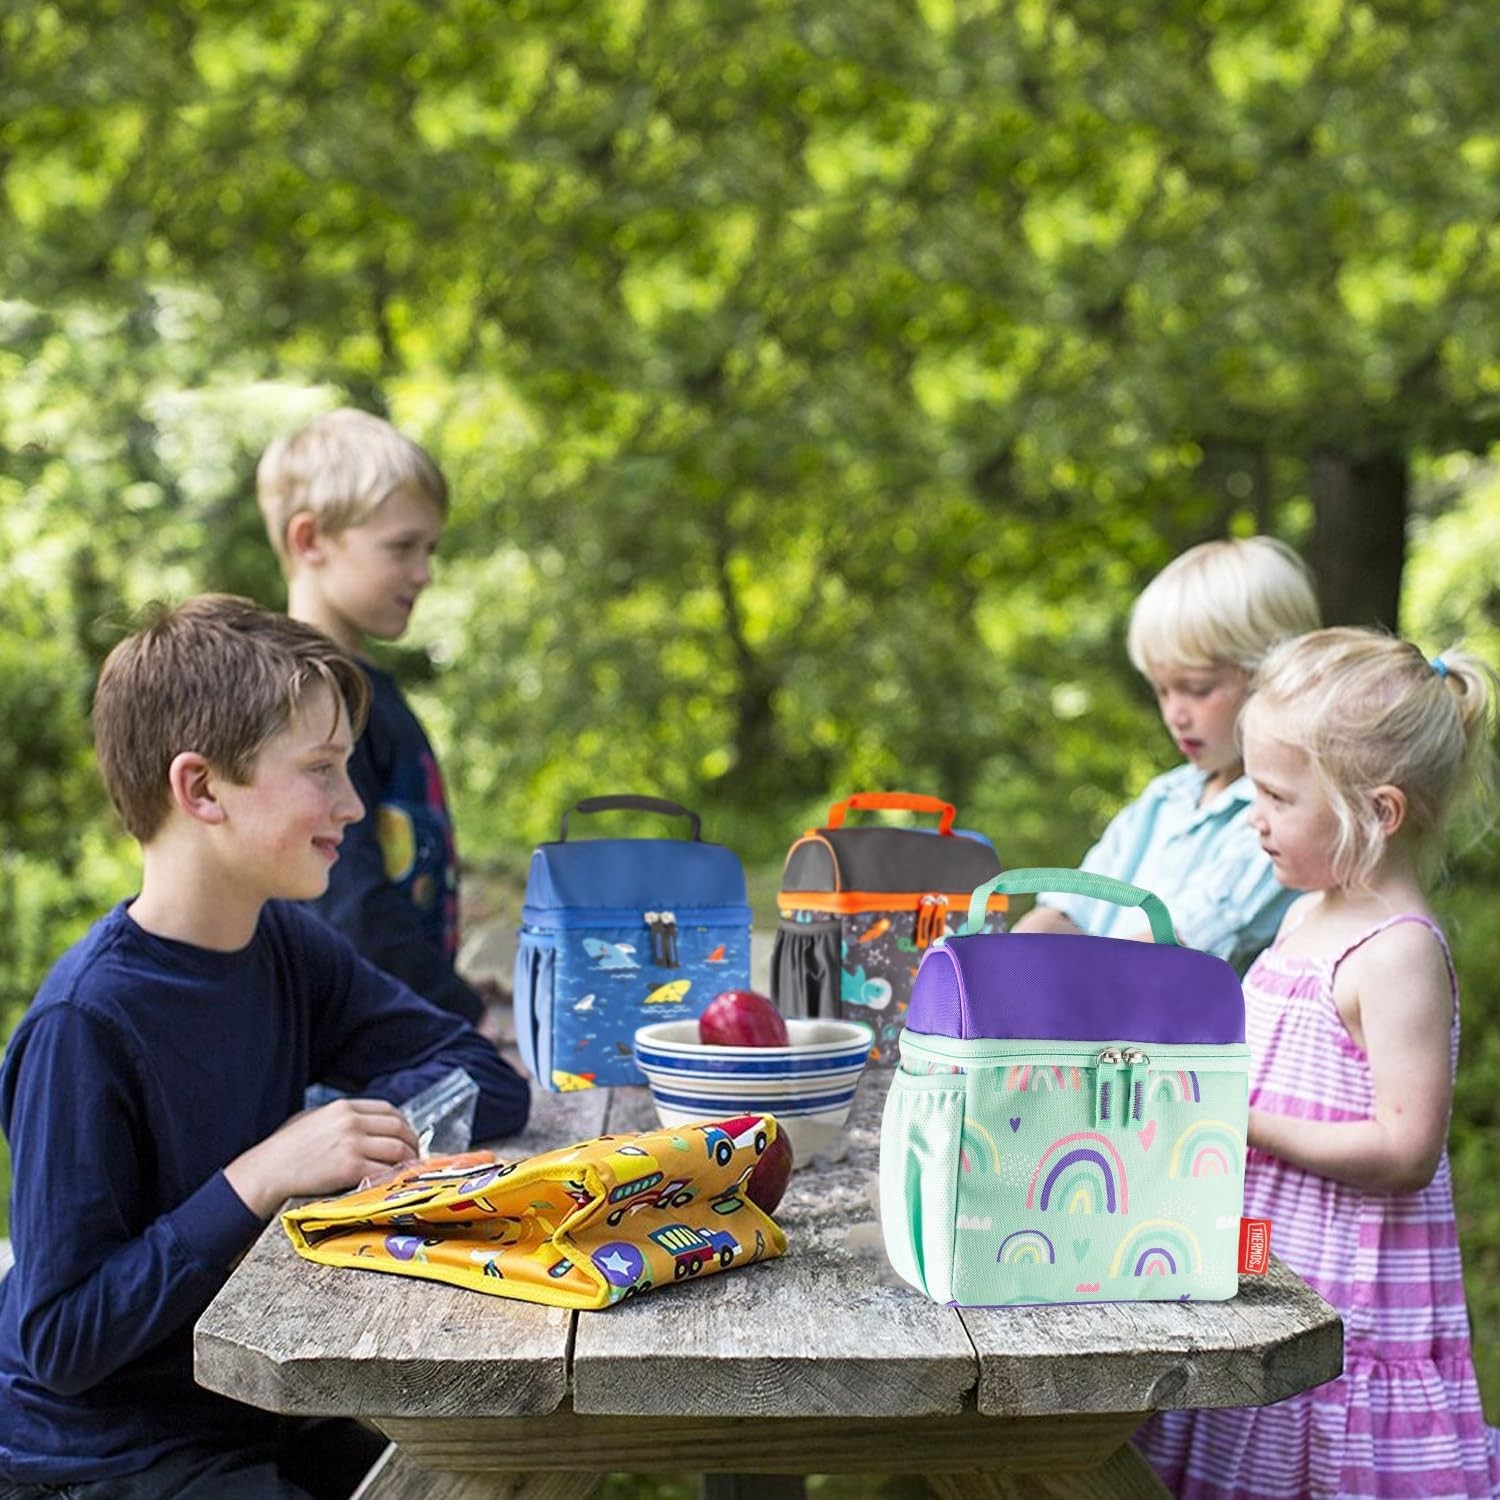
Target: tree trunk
[(1359, 536)]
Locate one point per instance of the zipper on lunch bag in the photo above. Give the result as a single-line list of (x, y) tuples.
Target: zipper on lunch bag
[(662, 925), (1121, 1075), (930, 921), (1106, 1084), (1122, 1070)]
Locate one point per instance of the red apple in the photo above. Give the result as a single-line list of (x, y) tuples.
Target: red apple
[(741, 1018), (772, 1173)]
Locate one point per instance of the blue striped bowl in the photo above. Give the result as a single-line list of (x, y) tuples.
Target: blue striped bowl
[(808, 1085)]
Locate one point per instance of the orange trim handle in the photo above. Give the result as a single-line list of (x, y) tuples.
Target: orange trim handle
[(893, 801), (840, 902)]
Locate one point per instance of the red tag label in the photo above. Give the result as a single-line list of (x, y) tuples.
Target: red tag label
[(1255, 1246)]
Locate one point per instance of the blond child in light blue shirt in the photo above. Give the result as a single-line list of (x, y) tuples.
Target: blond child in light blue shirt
[(1197, 633)]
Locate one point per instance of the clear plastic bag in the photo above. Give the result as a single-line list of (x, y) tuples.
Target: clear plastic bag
[(442, 1115)]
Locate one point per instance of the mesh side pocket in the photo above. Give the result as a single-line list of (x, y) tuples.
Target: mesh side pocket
[(920, 1146), (533, 985), (805, 972)]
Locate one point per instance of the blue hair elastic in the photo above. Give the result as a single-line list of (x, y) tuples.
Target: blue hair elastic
[(1439, 666)]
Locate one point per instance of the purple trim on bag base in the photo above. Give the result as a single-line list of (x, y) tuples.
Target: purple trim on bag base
[(1091, 1302)]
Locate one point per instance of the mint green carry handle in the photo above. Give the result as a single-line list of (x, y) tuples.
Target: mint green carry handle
[(1073, 883)]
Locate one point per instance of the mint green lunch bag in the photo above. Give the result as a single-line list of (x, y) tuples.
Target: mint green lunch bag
[(1068, 1120)]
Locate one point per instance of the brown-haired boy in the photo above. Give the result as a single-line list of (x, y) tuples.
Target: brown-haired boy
[(354, 510), (152, 1094)]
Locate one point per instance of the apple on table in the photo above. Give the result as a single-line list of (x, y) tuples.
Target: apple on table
[(742, 1018), (746, 1018), (772, 1173)]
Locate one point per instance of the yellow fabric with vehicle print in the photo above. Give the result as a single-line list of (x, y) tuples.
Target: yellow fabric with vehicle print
[(585, 1226)]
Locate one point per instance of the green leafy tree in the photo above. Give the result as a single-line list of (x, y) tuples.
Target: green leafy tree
[(760, 337)]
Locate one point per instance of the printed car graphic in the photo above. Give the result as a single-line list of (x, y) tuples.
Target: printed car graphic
[(692, 1249), (721, 1139)]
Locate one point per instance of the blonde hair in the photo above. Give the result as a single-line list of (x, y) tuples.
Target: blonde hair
[(1222, 602), (220, 675), (1370, 710), (341, 467)]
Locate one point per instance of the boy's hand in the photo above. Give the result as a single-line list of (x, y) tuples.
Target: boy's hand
[(491, 991), (1046, 919), (322, 1151)]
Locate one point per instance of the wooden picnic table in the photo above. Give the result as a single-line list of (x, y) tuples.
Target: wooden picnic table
[(820, 1362)]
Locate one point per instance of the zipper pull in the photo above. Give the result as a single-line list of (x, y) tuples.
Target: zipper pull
[(653, 926), (1106, 1085), (931, 923), (938, 925), (1137, 1065), (670, 957)]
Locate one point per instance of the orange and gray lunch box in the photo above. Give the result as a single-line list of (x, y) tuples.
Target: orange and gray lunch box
[(860, 905)]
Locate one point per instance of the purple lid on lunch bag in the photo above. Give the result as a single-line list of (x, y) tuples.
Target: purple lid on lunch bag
[(1014, 986)]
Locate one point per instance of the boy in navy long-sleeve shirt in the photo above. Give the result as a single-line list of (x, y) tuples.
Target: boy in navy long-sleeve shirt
[(151, 1095), (354, 510)]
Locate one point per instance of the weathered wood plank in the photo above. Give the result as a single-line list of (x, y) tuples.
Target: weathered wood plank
[(290, 1336), (398, 1478), (843, 1337), (1276, 1338), (1125, 1475), (306, 1339), (748, 1445)]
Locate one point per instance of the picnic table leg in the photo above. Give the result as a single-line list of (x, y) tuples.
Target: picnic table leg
[(753, 1487), (396, 1477), (1124, 1475)]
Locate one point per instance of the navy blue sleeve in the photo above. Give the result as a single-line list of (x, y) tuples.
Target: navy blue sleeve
[(374, 1036), (377, 917), (93, 1287)]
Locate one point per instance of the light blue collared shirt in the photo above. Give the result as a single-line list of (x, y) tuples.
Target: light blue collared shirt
[(1206, 863)]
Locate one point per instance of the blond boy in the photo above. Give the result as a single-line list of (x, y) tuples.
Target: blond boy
[(1197, 633), (354, 510)]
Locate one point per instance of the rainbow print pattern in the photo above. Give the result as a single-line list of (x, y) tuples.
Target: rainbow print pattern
[(988, 1147), (1083, 1171), (1181, 1086), (1055, 1204), (1027, 1079), (1208, 1148), (1158, 1247), (1026, 1247)]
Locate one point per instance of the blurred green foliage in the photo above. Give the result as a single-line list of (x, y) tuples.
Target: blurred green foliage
[(817, 385)]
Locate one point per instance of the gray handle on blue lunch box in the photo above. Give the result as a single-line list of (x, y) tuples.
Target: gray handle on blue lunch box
[(1073, 883), (632, 802)]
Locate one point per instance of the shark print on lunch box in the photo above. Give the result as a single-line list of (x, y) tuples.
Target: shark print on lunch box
[(617, 932)]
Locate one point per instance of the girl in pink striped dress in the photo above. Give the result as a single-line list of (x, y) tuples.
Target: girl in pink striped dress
[(1358, 747)]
